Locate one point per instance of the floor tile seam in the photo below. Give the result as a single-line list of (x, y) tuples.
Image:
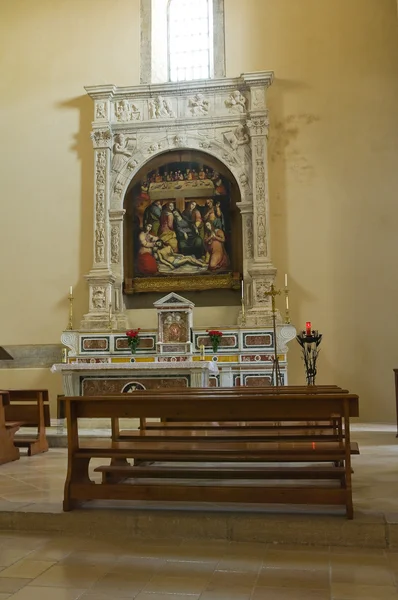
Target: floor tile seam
[(255, 584)]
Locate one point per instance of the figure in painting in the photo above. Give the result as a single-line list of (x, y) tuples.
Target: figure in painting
[(152, 215), (146, 262), (193, 215), (165, 255), (189, 241), (166, 230), (216, 256), (181, 218), (213, 214)]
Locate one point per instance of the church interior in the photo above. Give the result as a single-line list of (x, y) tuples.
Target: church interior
[(196, 195)]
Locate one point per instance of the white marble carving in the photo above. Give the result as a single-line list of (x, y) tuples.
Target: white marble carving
[(100, 110), (115, 244), (121, 151), (198, 105), (182, 116), (101, 138), (126, 111), (132, 164), (98, 297), (249, 237), (160, 108), (236, 102)]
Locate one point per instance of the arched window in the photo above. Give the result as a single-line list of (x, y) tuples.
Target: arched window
[(182, 40), (190, 39)]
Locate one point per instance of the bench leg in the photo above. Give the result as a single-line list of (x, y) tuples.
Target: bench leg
[(77, 474), (8, 451), (37, 447)]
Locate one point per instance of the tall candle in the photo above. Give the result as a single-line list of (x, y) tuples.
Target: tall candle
[(241, 289), (285, 280), (70, 290)]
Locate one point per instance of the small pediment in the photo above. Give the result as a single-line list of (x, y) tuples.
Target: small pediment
[(173, 300)]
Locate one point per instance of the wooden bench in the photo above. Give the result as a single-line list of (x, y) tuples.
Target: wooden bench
[(8, 450), (29, 408), (322, 466), (276, 430)]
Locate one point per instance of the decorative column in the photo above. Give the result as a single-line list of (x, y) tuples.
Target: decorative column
[(116, 227), (260, 267), (100, 278)]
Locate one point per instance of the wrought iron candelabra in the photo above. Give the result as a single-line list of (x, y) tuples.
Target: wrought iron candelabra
[(309, 342)]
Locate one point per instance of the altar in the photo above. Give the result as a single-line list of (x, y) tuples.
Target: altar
[(93, 379), (180, 205)]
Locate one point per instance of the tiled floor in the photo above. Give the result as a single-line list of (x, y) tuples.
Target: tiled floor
[(45, 567), (38, 481)]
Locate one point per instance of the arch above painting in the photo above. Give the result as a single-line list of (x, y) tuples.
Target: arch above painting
[(140, 134)]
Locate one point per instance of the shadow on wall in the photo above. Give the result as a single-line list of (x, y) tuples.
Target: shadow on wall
[(82, 146)]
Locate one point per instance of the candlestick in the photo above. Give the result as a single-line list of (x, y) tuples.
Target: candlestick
[(287, 315), (70, 322), (64, 355), (202, 352)]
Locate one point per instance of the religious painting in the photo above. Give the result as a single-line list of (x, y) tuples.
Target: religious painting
[(181, 229)]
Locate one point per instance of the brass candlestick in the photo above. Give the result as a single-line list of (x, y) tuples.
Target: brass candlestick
[(287, 312), (70, 324), (202, 352), (276, 371), (243, 311)]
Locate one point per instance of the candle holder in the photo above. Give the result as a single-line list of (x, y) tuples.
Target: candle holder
[(309, 342), (287, 311), (276, 375), (70, 323), (243, 320)]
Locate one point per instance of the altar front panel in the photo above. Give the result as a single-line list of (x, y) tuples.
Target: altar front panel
[(109, 385)]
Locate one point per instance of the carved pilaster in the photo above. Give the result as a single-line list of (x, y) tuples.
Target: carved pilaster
[(100, 278), (258, 127), (116, 248)]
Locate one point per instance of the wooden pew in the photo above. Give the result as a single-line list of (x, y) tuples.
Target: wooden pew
[(287, 428), (30, 408), (8, 450), (325, 483)]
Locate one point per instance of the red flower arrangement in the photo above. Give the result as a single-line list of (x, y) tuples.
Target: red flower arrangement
[(215, 337), (132, 339)]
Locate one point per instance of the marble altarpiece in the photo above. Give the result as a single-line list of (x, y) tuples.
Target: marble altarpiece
[(225, 121)]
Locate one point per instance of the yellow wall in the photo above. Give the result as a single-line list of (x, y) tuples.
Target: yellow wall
[(333, 168)]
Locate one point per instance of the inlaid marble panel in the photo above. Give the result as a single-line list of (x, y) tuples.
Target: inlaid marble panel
[(102, 386), (95, 344), (146, 343), (257, 340)]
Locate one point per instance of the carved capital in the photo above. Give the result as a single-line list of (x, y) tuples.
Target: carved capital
[(259, 125), (102, 138)]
